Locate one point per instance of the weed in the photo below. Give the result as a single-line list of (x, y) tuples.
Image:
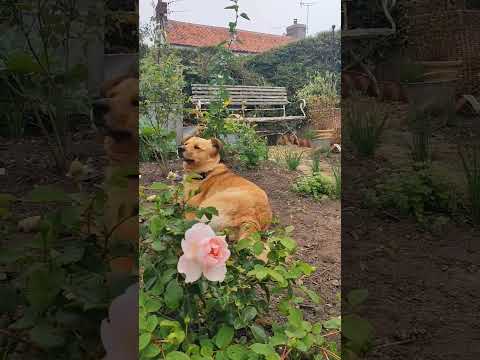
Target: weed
[(420, 127), (471, 165), (292, 159), (337, 176), (365, 123), (317, 186), (316, 156)]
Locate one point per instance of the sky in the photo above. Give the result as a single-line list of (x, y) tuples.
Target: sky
[(268, 16)]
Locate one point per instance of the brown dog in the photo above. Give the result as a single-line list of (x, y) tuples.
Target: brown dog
[(116, 114), (242, 206)]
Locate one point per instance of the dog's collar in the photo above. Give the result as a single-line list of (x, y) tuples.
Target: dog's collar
[(204, 175)]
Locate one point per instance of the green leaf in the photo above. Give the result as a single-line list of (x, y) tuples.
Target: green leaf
[(46, 336), (22, 63), (224, 337), (158, 186), (357, 330), (176, 355), (333, 324), (249, 314), (278, 339), (236, 352), (264, 349), (258, 248), (243, 244), (144, 340), (47, 193), (259, 333), (357, 297), (245, 16), (150, 324), (232, 7), (150, 351), (152, 305), (288, 243), (173, 295), (43, 286)]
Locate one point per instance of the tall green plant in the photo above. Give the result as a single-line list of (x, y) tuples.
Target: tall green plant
[(364, 122), (420, 128), (470, 157), (41, 71), (324, 87)]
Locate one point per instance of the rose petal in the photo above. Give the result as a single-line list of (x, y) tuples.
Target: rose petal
[(192, 269), (216, 273), (199, 232)]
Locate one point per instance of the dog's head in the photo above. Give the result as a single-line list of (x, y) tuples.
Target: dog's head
[(116, 115), (200, 155)]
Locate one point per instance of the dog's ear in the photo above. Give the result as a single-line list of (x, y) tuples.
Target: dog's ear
[(217, 144)]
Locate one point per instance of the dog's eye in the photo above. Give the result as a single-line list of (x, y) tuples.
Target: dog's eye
[(197, 147)]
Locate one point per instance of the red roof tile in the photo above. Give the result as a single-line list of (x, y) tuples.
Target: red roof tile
[(195, 35)]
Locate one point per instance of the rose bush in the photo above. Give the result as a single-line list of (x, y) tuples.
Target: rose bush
[(241, 308)]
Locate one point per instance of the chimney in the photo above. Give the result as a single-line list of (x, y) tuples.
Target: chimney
[(297, 31)]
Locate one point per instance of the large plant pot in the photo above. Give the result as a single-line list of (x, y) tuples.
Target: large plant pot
[(436, 97), (441, 70)]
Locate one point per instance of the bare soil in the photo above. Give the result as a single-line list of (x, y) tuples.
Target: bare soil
[(423, 285), (317, 228)]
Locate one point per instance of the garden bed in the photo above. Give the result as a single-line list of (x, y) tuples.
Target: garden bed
[(407, 263), (317, 228)]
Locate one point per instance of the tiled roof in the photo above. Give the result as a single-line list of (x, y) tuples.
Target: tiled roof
[(195, 35)]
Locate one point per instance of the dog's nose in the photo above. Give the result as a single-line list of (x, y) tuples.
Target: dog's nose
[(181, 149), (99, 108)]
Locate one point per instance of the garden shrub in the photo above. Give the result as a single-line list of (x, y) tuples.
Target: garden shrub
[(323, 88), (156, 144), (316, 185), (417, 193), (222, 320), (293, 65), (242, 143), (364, 122), (292, 159)]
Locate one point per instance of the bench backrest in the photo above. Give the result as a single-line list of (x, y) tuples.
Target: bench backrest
[(239, 94)]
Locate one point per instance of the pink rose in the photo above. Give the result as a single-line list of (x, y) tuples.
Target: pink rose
[(120, 332), (203, 253)]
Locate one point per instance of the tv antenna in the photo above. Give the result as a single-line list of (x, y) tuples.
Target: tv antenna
[(308, 5)]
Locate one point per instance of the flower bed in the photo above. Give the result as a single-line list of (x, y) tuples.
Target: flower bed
[(212, 301)]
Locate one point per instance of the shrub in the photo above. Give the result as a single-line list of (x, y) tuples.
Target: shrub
[(416, 193), (219, 319), (248, 148), (156, 144), (293, 65), (161, 87), (292, 159), (365, 122), (324, 87), (316, 185), (471, 164)]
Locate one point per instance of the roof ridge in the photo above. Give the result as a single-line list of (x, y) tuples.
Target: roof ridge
[(225, 28)]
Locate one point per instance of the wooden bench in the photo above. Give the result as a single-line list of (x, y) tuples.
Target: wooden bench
[(246, 100)]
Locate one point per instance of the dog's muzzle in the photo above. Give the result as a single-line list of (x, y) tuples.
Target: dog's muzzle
[(100, 107)]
